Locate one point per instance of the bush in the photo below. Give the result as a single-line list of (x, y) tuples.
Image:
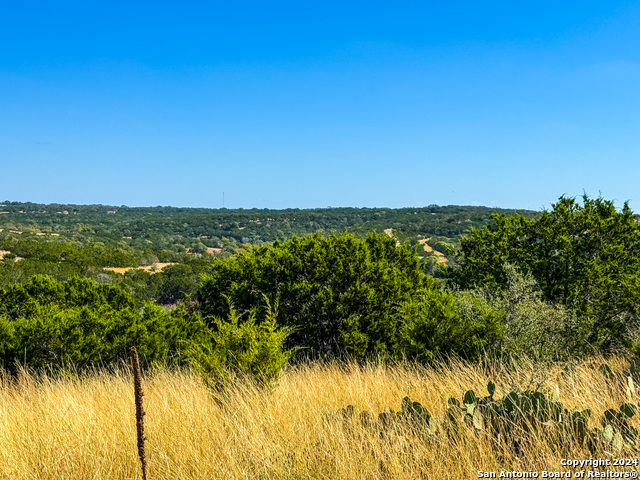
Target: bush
[(243, 348), (339, 293), (80, 324), (534, 328), (438, 321)]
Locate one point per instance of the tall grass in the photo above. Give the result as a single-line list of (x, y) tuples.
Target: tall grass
[(85, 428)]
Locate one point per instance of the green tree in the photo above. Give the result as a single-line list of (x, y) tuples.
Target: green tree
[(585, 257), (339, 293)]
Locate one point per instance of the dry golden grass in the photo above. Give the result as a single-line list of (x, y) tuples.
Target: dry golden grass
[(85, 428), (156, 267), (429, 249)]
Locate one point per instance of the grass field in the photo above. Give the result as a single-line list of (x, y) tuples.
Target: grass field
[(156, 267), (84, 428)]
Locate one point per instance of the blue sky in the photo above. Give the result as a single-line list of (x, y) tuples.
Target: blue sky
[(293, 104)]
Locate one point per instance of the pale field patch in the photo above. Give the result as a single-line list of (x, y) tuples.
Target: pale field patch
[(156, 267), (429, 249), (72, 428), (5, 252)]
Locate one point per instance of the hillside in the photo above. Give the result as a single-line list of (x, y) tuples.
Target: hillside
[(160, 228)]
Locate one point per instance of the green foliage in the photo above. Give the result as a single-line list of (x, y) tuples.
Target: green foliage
[(80, 323), (78, 255), (338, 292), (22, 299), (242, 347), (534, 328), (437, 322), (605, 370), (514, 424), (584, 257), (176, 282), (63, 241), (163, 228), (617, 432)]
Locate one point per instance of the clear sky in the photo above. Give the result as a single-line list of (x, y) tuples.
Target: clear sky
[(315, 104)]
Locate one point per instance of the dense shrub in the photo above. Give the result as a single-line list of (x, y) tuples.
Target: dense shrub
[(80, 323), (534, 328), (338, 292), (439, 322)]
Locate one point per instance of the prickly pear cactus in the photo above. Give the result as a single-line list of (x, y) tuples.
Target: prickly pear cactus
[(617, 432), (516, 415), (412, 415), (510, 419)]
